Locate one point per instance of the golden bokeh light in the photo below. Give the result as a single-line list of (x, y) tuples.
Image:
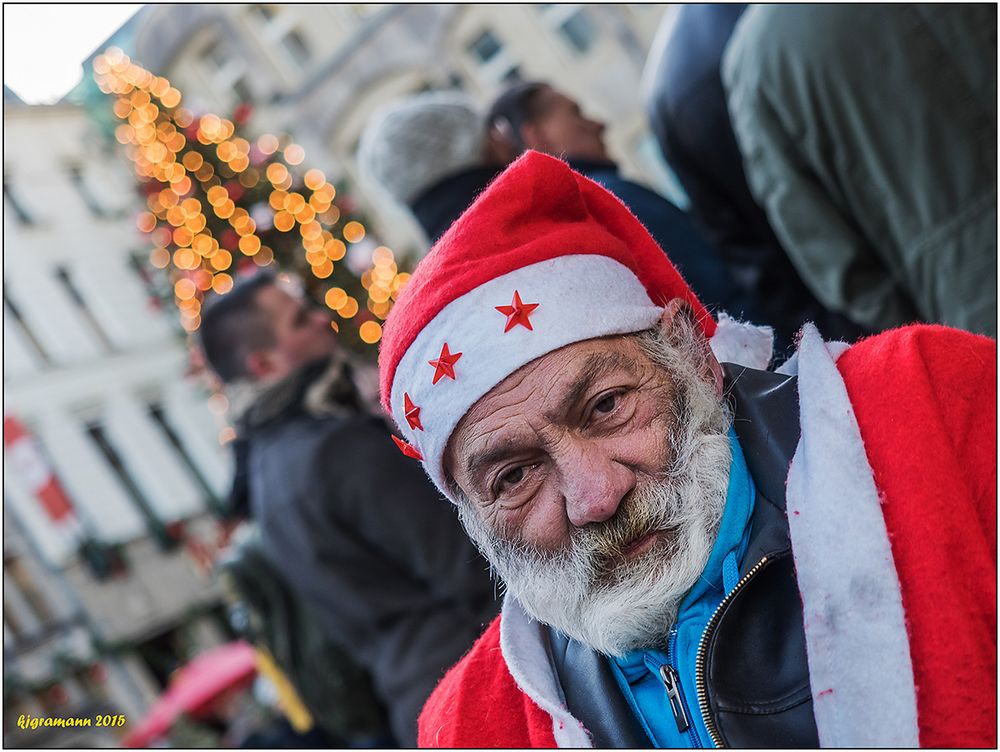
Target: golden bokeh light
[(314, 178), (183, 237), (335, 298), (370, 332), (324, 269), (311, 229), (196, 223), (146, 222), (284, 221), (226, 151), (382, 256), (276, 172), (192, 160), (277, 199), (184, 258), (264, 256), (159, 257), (201, 244), (171, 97), (217, 195), (175, 216), (184, 289), (335, 249), (225, 209), (221, 259), (203, 279), (349, 309), (294, 202), (294, 154), (354, 232), (222, 283), (249, 245), (268, 144)]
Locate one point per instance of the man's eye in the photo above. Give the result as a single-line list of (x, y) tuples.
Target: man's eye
[(512, 477), (607, 404)]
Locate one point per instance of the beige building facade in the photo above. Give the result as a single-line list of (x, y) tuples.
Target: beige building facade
[(94, 374)]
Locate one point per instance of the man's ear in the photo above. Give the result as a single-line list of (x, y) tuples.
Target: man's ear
[(260, 364), (531, 137), (677, 314)]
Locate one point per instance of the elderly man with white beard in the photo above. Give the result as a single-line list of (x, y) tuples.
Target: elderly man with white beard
[(696, 551)]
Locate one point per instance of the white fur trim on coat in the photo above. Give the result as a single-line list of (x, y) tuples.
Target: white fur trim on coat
[(524, 647), (856, 641)]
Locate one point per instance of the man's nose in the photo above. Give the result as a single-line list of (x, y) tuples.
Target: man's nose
[(594, 484)]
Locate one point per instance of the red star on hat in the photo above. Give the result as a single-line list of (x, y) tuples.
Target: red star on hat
[(517, 313), (406, 449), (412, 413), (445, 364)]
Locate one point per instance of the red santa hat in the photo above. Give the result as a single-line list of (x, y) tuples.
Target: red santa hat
[(542, 259)]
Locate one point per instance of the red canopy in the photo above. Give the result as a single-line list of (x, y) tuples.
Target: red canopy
[(193, 686)]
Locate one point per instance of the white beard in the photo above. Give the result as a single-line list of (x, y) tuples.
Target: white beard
[(588, 589)]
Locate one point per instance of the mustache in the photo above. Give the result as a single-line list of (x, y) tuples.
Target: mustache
[(603, 546)]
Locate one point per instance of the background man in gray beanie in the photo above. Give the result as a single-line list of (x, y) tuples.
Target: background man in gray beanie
[(431, 153)]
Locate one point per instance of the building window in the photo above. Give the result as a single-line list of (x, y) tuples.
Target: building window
[(14, 313), (494, 59), (64, 279), (513, 75), (214, 56), (156, 413), (485, 47), (242, 91), (227, 73), (79, 182), (156, 527), (579, 31), (264, 13), (296, 48), (572, 23), (29, 588), (11, 200)]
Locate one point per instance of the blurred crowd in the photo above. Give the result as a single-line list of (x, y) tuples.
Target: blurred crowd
[(840, 167)]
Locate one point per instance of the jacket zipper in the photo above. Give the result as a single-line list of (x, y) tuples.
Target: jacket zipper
[(701, 655), (675, 696)]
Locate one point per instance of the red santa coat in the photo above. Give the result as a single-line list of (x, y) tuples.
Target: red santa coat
[(892, 517)]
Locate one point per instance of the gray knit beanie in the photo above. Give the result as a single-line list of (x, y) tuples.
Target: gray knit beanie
[(410, 144)]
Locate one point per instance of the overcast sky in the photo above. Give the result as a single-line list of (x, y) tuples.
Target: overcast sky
[(44, 44)]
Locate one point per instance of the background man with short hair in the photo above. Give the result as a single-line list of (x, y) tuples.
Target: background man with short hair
[(533, 115), (352, 525)]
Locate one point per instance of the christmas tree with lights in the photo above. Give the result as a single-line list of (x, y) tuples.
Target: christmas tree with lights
[(220, 203)]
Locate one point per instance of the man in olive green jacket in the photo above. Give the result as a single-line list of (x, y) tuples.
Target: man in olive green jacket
[(869, 137)]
